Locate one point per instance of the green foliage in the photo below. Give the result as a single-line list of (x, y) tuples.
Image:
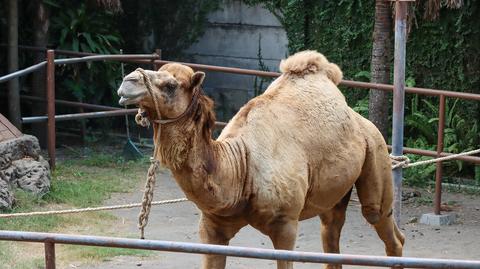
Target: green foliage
[(422, 124), (361, 107), (79, 27), (84, 29)]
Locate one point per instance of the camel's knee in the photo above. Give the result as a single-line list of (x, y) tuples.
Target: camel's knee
[(214, 233), (372, 214)]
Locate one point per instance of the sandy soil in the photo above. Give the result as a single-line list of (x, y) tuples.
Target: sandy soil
[(178, 222)]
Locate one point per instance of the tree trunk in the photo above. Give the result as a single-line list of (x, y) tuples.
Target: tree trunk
[(13, 85), (40, 26), (378, 105)]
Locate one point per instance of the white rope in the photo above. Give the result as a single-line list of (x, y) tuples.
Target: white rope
[(89, 209), (404, 162)]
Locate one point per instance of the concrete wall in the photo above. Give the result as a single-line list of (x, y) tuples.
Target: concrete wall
[(232, 39)]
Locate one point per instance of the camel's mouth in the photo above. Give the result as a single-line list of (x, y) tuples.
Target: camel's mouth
[(130, 100)]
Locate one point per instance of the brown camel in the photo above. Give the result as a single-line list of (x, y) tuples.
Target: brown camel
[(292, 153)]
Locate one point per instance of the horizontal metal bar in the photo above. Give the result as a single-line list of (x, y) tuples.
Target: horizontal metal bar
[(77, 116), (114, 57), (257, 253), (223, 69), (98, 114), (71, 103), (431, 153), (22, 72), (421, 91)]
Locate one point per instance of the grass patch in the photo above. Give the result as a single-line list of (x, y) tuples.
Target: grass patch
[(76, 183), (104, 253)]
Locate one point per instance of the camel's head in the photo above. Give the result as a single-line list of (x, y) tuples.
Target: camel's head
[(172, 86)]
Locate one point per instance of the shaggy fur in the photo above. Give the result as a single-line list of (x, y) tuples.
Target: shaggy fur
[(293, 153)]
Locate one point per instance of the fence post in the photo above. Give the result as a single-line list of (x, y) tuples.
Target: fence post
[(398, 101), (49, 255), (439, 172), (51, 107), (157, 52)]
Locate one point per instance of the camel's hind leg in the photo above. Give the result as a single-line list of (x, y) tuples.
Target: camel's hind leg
[(332, 224), (375, 192)]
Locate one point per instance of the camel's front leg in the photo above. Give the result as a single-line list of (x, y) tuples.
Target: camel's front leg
[(215, 231), (332, 223), (283, 234)]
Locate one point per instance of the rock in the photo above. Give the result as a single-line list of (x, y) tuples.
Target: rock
[(412, 220), (21, 166), (6, 196), (18, 148), (32, 176), (407, 195)]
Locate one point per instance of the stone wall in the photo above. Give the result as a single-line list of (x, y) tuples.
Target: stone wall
[(232, 39)]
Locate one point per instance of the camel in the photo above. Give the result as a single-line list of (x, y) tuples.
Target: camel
[(292, 153)]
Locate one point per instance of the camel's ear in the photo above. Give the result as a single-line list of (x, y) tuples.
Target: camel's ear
[(197, 79)]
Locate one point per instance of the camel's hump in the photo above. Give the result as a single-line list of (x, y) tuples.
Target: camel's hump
[(310, 61)]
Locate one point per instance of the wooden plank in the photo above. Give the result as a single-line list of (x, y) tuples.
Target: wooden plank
[(14, 131), (5, 136)]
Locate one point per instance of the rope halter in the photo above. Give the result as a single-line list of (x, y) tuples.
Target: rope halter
[(160, 120)]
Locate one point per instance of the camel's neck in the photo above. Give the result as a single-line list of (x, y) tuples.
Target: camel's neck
[(212, 174)]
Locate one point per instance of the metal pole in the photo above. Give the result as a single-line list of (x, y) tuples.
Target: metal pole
[(257, 253), (49, 255), (156, 66), (51, 107), (78, 116), (398, 101), (438, 173)]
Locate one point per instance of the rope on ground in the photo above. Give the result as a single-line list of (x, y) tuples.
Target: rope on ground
[(88, 209), (404, 161)]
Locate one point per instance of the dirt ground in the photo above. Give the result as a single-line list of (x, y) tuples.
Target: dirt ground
[(178, 222)]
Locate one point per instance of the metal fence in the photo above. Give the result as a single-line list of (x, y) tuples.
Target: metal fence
[(51, 239)]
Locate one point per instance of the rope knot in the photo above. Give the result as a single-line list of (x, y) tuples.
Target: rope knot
[(399, 161), (142, 118)]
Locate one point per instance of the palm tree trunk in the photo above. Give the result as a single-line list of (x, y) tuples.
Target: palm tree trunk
[(378, 105), (41, 23), (13, 85)]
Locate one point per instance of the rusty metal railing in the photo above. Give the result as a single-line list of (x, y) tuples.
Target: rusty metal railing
[(51, 239)]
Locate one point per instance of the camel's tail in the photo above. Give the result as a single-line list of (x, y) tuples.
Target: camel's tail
[(310, 61)]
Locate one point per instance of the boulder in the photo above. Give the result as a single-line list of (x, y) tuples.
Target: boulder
[(22, 166)]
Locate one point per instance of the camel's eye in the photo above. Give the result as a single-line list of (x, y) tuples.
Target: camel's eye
[(132, 79), (170, 87)]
